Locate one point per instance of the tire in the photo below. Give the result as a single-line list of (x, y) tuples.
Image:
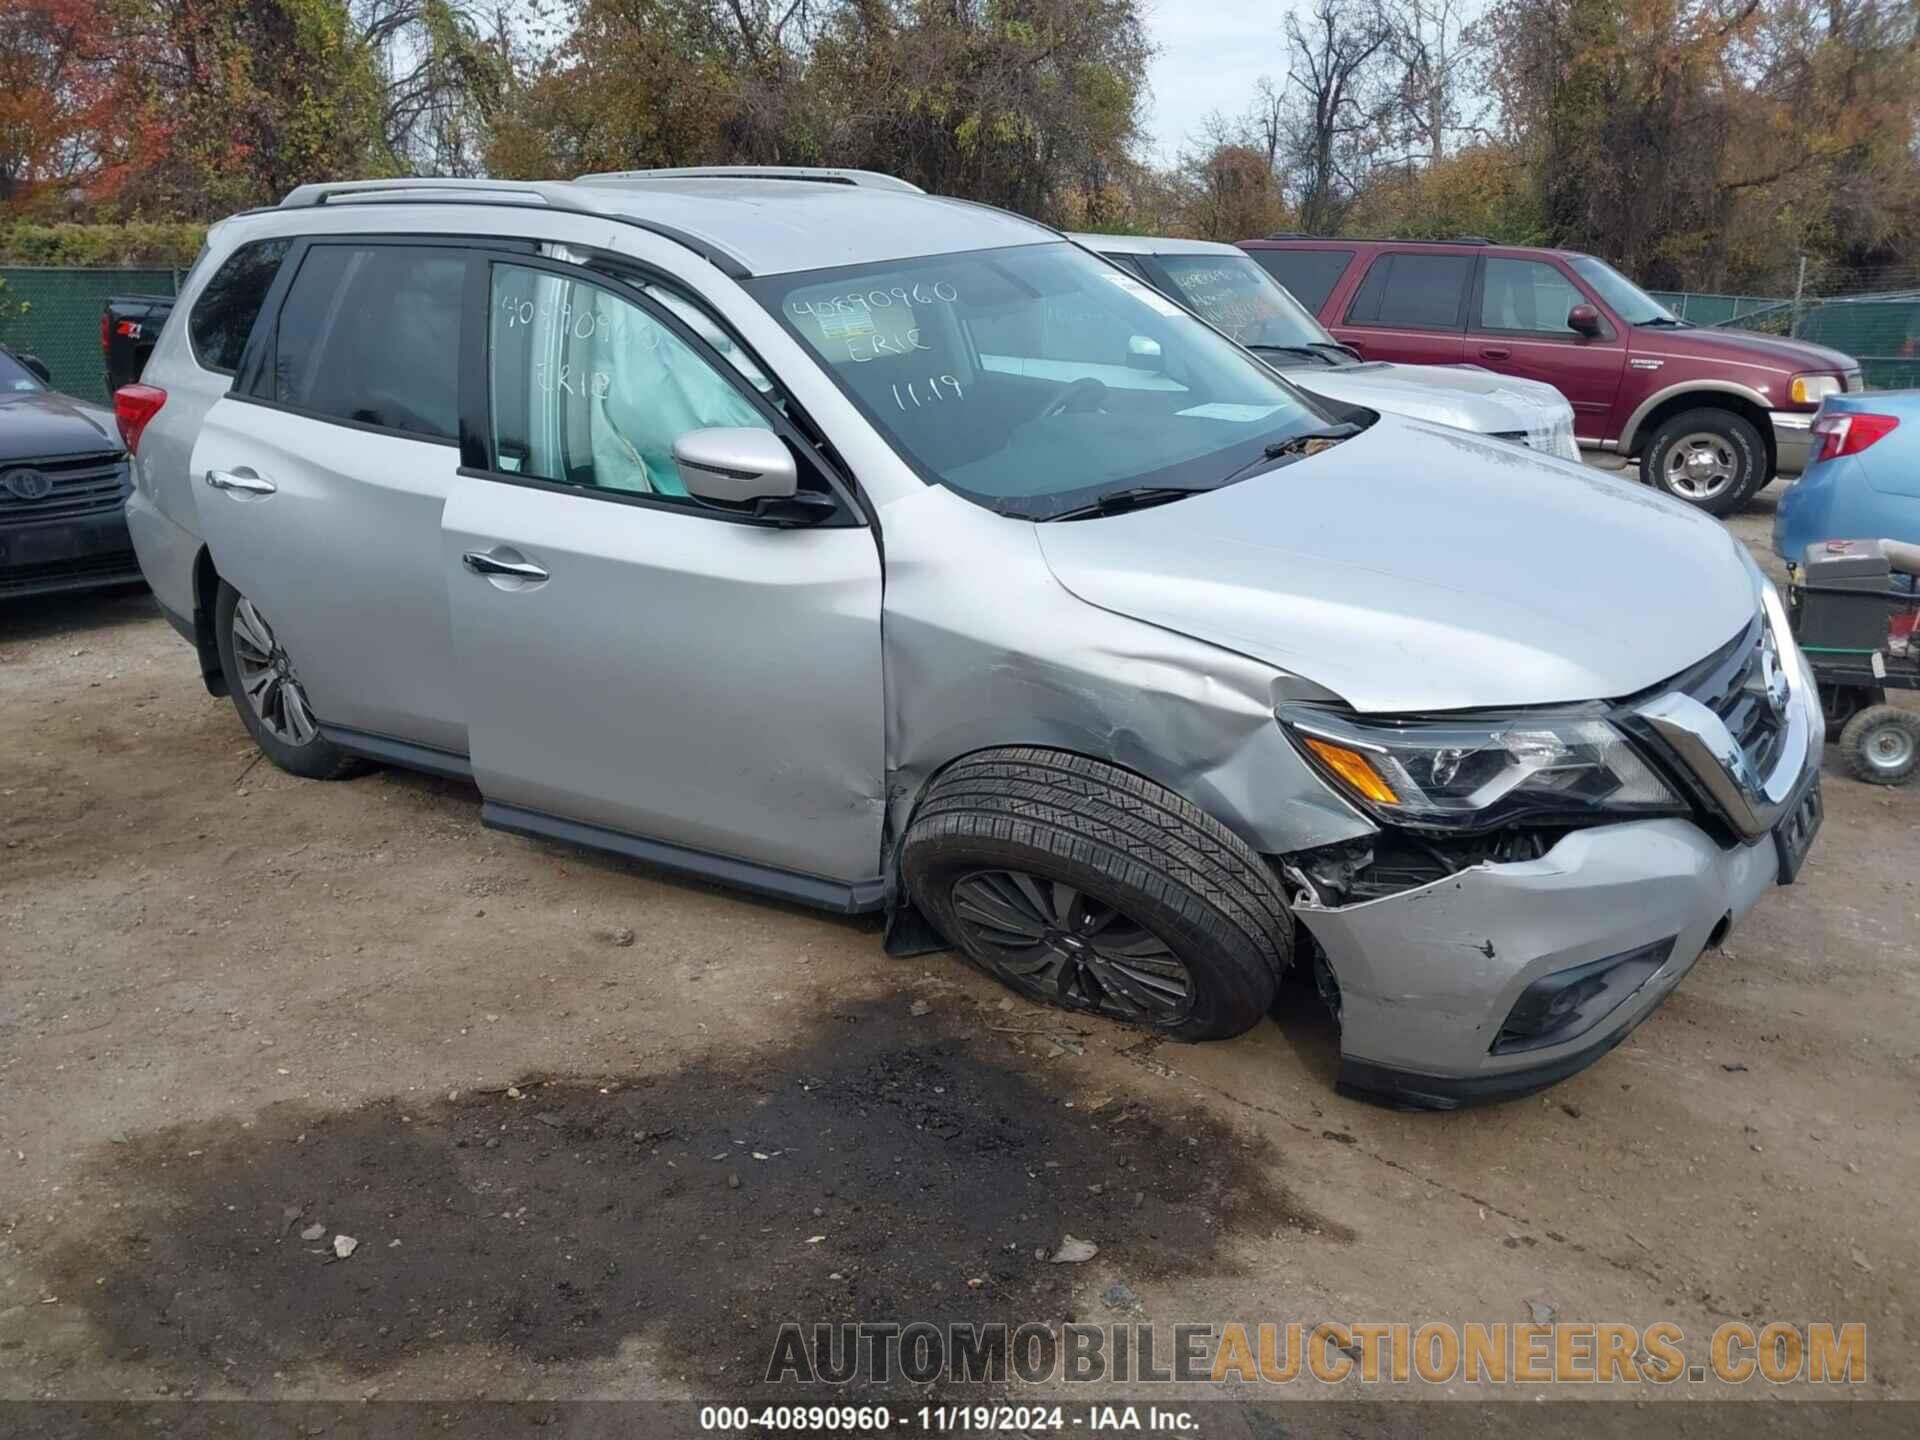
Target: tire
[(1733, 459), (1135, 904), (1881, 745), (298, 747)]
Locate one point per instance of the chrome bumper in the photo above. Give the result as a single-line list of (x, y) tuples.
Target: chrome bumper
[(1792, 440)]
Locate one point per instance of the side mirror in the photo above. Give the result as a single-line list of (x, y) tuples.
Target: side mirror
[(1584, 320), (735, 465), (1144, 353), (37, 366)]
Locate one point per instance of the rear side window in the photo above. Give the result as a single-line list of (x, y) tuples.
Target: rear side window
[(371, 334), (1415, 291), (1309, 275), (223, 316)]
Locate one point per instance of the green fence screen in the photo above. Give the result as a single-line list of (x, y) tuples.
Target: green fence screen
[(1703, 309), (61, 319), (1881, 331)]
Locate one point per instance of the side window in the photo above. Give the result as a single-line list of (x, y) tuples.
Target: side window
[(1413, 291), (223, 315), (589, 389), (371, 334), (1309, 275), (1073, 335), (1526, 295)]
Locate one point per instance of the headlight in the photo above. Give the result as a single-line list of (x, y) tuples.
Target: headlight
[(1479, 773), (1812, 389)]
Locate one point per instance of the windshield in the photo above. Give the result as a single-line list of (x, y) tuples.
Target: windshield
[(1623, 297), (15, 378), (1036, 378), (1234, 294)]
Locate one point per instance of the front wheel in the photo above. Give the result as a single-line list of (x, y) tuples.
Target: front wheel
[(1086, 886), (1710, 458), (266, 690), (1881, 745)]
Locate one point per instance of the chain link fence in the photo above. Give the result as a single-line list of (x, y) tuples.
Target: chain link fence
[(55, 314), (1872, 315)]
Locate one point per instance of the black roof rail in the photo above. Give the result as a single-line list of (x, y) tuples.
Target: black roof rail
[(1384, 239), (539, 194)]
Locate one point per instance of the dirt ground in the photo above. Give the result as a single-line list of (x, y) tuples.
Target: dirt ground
[(242, 1014)]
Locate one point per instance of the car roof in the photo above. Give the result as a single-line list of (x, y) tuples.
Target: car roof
[(748, 220), (1150, 245), (1467, 244)]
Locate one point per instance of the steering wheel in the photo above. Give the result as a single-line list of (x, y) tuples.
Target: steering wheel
[(1082, 397)]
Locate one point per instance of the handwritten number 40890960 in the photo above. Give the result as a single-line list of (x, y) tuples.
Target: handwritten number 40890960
[(939, 388)]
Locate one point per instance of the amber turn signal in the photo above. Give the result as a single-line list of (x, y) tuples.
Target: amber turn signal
[(1354, 768)]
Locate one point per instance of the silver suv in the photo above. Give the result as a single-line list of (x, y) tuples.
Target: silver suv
[(887, 552), (1224, 287)]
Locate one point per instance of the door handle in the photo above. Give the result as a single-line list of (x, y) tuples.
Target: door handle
[(244, 484), (481, 563), (1495, 352)]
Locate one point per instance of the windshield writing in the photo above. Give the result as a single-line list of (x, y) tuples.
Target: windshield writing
[(1035, 378)]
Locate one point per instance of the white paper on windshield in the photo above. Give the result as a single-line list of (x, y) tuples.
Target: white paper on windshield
[(1227, 410), (1144, 293)]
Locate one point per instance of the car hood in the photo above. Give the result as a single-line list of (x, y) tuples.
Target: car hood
[(1418, 568), (1471, 399), (40, 424), (1743, 347)]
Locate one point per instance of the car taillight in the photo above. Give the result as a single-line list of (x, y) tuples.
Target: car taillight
[(133, 407), (1849, 432), (106, 332)]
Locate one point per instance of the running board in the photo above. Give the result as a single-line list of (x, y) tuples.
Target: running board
[(858, 898), (404, 753)]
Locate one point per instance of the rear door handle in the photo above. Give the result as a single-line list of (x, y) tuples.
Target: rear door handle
[(481, 563), (244, 484), (1495, 352)]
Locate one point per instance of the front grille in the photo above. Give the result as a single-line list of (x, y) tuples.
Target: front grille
[(70, 574), (82, 485), (1731, 683)]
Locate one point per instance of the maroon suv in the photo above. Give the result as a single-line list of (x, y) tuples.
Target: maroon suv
[(1711, 414)]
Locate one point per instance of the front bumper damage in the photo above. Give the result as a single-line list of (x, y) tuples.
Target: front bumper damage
[(1428, 977), (1502, 978)]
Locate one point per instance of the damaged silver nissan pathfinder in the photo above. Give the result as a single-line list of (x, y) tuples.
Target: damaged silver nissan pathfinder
[(886, 552)]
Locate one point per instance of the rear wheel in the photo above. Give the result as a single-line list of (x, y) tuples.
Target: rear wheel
[(267, 692), (1086, 886), (1881, 744), (1710, 458)]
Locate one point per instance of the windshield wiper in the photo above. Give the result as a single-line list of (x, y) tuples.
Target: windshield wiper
[(1345, 352), (1665, 321), (1295, 446), (1134, 497), (1305, 352)]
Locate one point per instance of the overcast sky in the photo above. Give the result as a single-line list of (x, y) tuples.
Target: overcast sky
[(1211, 53)]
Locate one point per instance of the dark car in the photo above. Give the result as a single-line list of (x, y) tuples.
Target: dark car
[(1710, 414), (128, 327), (64, 479)]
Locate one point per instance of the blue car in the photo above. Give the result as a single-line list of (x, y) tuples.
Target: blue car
[(1863, 481)]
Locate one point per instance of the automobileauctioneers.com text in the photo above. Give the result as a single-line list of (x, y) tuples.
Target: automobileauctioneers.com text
[(1329, 1353)]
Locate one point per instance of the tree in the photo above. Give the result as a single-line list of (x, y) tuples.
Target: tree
[(1335, 71), (54, 86), (1030, 104)]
